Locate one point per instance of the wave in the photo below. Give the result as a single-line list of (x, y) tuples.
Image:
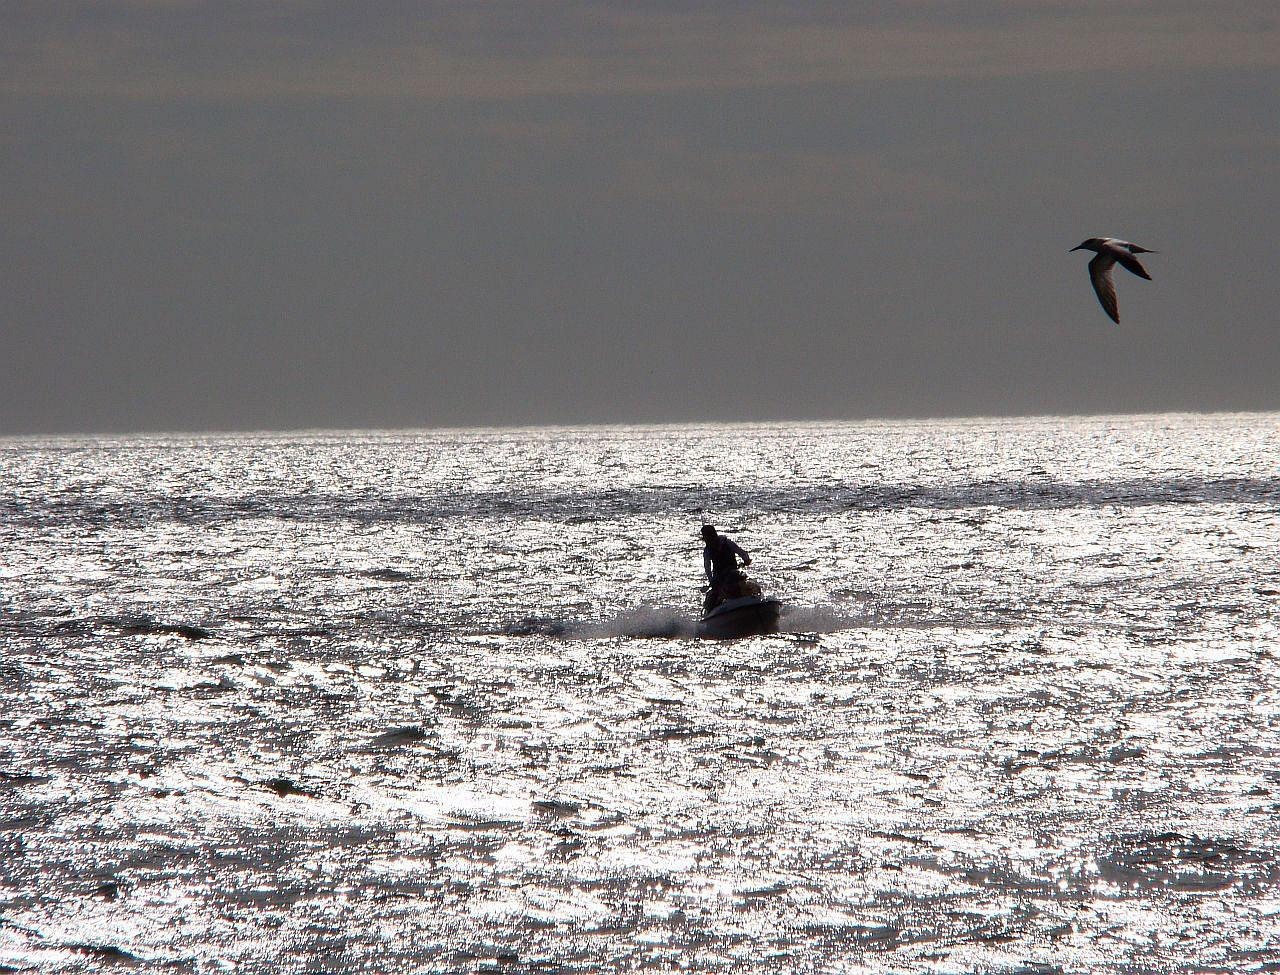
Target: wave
[(640, 622), (649, 622)]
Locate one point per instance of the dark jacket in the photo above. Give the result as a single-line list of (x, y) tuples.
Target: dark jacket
[(720, 558)]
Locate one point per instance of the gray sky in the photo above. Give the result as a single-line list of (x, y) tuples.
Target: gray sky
[(310, 213)]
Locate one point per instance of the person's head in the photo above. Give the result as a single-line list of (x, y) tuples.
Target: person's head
[(708, 533)]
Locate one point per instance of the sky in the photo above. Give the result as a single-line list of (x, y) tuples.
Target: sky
[(284, 214)]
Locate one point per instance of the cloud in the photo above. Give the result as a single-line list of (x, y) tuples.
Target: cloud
[(167, 49)]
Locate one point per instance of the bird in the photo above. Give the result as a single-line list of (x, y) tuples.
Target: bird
[(1110, 251)]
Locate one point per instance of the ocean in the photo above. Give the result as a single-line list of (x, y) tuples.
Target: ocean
[(433, 701)]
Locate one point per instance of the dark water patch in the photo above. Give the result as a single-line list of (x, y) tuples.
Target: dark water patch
[(385, 574), (390, 575), (1088, 754), (1186, 863), (286, 787), (398, 737), (22, 778), (108, 891), (280, 785), (131, 626), (34, 622), (104, 953), (677, 733), (556, 808), (902, 838), (536, 626), (478, 824), (872, 937), (207, 689)]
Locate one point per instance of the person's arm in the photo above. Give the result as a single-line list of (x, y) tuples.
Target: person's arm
[(706, 563), (746, 559)]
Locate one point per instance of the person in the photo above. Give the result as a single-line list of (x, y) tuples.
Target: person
[(720, 555)]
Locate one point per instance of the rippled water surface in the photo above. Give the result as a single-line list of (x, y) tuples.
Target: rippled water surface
[(430, 702)]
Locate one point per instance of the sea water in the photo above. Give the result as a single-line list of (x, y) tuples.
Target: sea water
[(432, 702)]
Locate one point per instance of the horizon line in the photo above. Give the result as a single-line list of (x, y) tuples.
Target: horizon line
[(263, 432)]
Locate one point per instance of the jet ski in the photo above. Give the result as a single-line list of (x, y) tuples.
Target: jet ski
[(737, 607), (739, 617)]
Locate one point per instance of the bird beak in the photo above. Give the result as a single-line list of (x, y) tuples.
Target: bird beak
[(1076, 248)]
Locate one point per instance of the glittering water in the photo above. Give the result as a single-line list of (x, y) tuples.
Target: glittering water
[(429, 702)]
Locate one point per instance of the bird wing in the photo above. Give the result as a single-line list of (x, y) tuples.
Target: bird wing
[(1100, 274), (1133, 248), (1128, 261)]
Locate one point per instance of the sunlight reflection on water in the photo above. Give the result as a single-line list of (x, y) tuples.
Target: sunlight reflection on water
[(432, 701)]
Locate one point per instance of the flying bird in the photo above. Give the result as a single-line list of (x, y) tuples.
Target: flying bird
[(1110, 252)]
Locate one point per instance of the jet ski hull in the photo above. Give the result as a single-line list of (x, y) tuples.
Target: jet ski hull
[(746, 616)]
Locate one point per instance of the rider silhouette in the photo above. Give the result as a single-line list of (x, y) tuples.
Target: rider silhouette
[(720, 556)]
